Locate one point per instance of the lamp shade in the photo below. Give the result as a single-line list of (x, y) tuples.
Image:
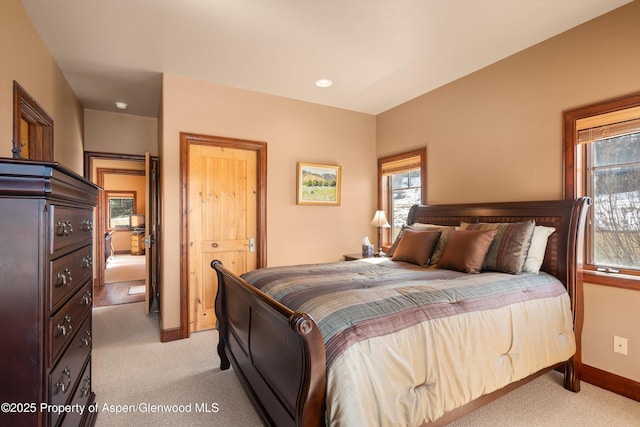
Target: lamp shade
[(380, 220)]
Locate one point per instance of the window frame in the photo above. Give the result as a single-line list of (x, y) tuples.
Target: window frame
[(575, 184), (120, 194), (383, 187)]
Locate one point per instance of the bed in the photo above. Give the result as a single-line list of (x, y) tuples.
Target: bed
[(309, 352)]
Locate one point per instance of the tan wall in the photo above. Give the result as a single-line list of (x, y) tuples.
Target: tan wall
[(612, 311), (111, 132), (27, 60), (294, 131), (496, 135)]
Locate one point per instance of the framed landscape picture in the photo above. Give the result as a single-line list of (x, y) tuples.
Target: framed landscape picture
[(318, 184)]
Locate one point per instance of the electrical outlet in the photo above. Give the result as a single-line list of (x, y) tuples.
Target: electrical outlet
[(620, 345)]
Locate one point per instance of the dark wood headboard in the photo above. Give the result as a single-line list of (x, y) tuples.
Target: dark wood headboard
[(564, 247)]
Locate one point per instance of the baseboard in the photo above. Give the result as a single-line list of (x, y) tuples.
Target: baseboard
[(167, 335), (611, 382)]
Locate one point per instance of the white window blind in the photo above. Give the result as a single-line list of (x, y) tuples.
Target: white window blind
[(608, 131)]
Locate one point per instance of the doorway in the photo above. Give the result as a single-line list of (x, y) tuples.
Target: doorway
[(125, 261), (223, 184), (121, 210)]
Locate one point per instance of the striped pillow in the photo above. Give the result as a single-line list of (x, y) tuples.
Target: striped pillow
[(510, 245)]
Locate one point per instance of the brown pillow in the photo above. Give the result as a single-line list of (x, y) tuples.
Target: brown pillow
[(466, 250), (442, 243), (510, 246), (416, 247), (394, 246)]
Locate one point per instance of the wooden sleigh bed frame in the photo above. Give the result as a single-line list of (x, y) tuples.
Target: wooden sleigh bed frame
[(279, 355)]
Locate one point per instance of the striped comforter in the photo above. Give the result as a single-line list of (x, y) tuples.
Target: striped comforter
[(405, 344)]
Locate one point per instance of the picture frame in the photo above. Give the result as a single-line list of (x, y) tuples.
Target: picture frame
[(318, 184)]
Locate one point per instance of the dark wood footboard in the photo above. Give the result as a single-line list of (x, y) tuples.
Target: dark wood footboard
[(277, 354)]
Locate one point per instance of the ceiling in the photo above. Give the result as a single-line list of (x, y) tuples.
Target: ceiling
[(378, 53)]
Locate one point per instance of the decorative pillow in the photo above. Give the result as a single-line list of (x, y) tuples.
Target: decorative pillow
[(510, 246), (442, 242), (538, 247), (466, 250), (416, 247), (394, 246)]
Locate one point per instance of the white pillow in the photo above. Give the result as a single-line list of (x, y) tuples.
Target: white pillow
[(538, 247)]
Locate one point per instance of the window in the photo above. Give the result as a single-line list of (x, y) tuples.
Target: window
[(121, 206), (402, 184), (602, 161)]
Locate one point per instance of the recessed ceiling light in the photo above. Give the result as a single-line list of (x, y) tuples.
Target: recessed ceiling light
[(324, 83), (121, 105)]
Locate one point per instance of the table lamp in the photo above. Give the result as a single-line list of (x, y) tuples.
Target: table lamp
[(380, 220)]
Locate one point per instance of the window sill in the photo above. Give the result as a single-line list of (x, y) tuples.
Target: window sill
[(624, 281)]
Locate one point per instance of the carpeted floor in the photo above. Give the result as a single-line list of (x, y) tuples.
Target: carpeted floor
[(132, 370), (125, 268)]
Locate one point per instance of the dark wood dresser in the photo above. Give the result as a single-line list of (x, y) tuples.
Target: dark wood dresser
[(46, 294)]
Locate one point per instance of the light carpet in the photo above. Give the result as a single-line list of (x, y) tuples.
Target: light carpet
[(132, 368), (125, 268)]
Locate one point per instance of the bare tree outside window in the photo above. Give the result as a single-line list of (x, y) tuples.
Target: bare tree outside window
[(615, 181), (406, 192)]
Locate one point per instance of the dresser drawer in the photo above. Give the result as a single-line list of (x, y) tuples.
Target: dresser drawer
[(80, 397), (68, 321), (66, 273), (67, 372), (69, 226)]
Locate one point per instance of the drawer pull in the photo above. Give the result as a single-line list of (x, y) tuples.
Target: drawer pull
[(86, 339), (87, 298), (87, 262), (65, 327), (60, 385), (87, 225), (64, 278), (64, 228), (86, 389)]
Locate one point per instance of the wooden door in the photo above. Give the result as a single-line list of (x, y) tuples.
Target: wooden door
[(221, 222), (152, 196)]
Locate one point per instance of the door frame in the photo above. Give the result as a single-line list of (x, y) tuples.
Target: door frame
[(260, 148), (98, 237)]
